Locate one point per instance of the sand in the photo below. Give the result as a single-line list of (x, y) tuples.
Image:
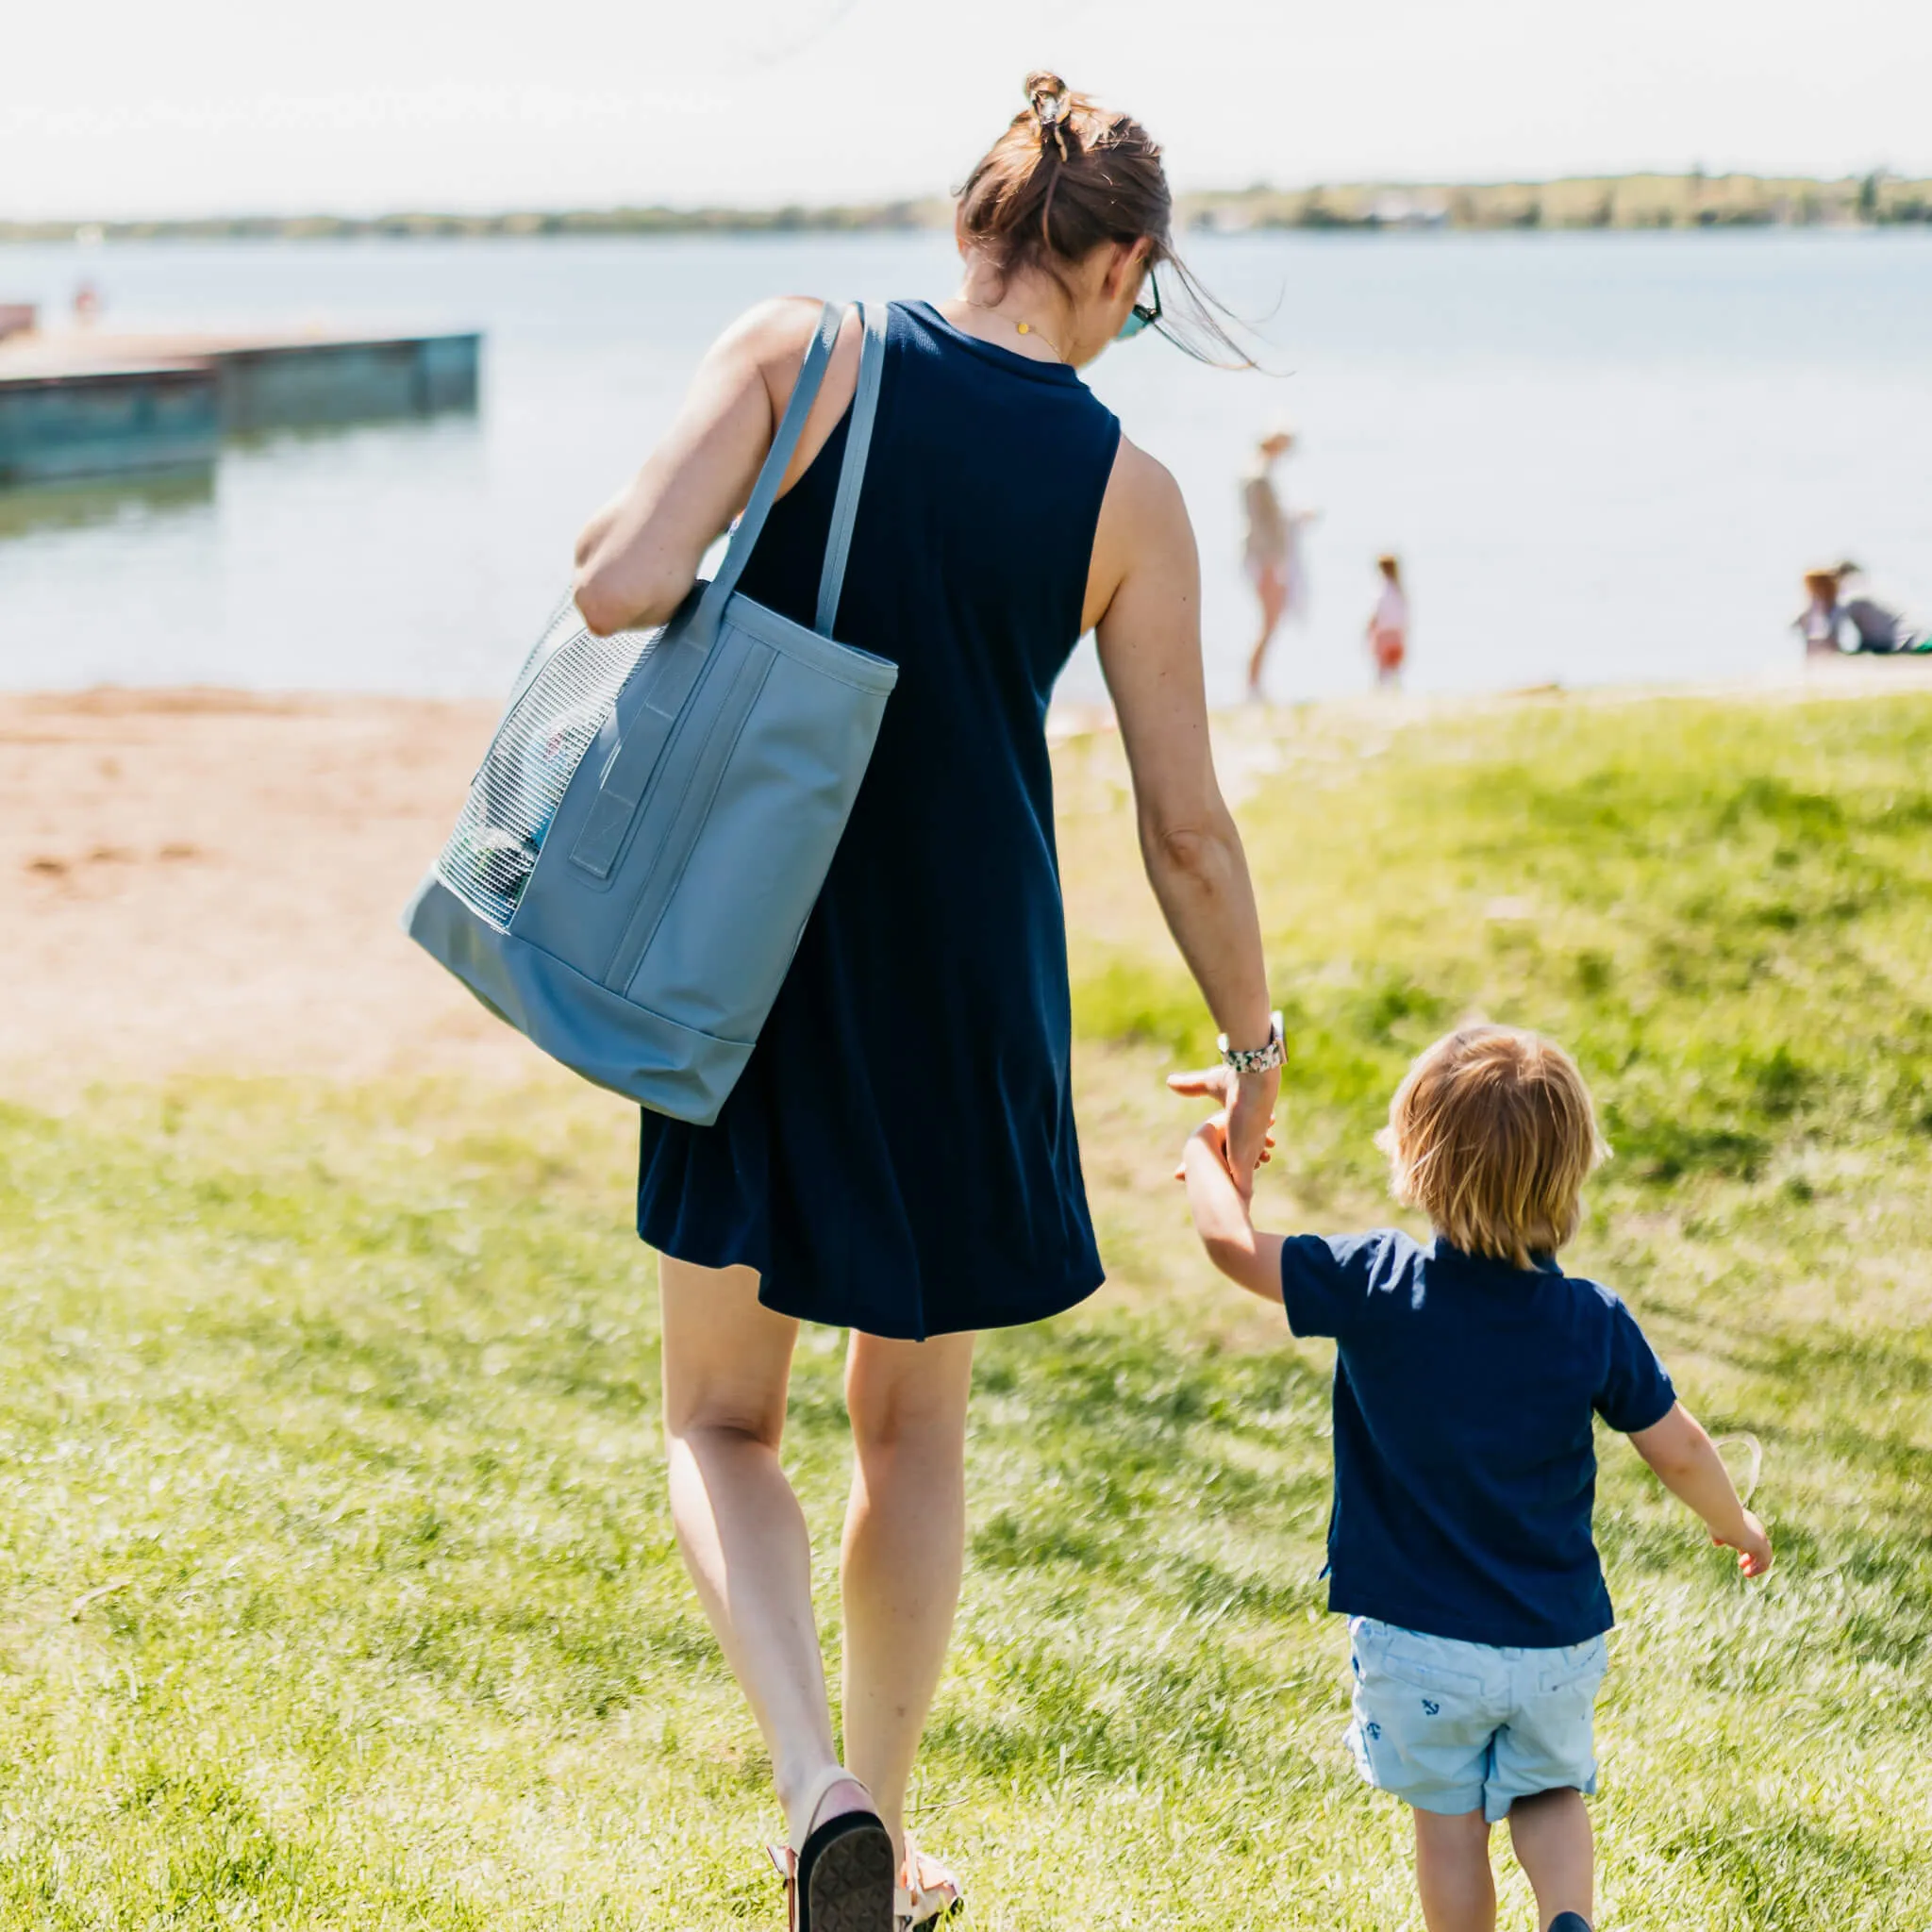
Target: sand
[(210, 881)]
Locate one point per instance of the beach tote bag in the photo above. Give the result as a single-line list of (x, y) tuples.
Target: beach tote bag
[(650, 828)]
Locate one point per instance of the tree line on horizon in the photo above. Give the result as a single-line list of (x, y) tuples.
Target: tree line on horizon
[(1645, 201)]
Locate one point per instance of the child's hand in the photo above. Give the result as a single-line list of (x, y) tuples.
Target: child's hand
[(1752, 1546), (1212, 1136), (1249, 1100), (1221, 1215)]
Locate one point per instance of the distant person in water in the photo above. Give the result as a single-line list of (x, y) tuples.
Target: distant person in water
[(1836, 624), (1272, 549), (1388, 630)]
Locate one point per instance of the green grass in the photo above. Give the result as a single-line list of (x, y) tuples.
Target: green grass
[(349, 1396)]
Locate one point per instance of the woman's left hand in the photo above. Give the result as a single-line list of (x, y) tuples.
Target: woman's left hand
[(1249, 1101)]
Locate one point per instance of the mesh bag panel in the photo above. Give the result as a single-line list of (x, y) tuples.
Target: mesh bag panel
[(562, 698)]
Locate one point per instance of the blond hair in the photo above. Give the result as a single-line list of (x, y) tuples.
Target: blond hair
[(1492, 1134)]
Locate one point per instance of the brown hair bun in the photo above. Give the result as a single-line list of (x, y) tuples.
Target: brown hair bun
[(1069, 177)]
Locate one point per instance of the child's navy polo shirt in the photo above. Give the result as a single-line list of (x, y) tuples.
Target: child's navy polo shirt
[(1465, 1470)]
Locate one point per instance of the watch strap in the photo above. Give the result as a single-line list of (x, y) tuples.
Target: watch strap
[(1256, 1059)]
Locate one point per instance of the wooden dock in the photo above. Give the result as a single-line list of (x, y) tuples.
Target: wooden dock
[(93, 405)]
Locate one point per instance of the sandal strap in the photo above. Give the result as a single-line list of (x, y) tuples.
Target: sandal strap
[(817, 1792), (786, 1860), (916, 1902)]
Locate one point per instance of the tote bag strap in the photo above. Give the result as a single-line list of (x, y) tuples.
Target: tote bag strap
[(764, 493), (645, 732), (865, 405)]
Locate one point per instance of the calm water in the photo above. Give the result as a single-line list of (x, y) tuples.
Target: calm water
[(1601, 457)]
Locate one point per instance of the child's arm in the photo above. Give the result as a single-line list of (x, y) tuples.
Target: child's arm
[(1221, 1216), (1688, 1464)]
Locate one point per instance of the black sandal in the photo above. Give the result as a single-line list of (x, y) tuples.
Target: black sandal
[(842, 1879)]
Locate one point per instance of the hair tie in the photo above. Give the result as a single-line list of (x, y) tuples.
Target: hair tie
[(1050, 110)]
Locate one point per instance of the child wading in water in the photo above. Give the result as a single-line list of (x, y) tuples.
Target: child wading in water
[(1466, 1377), (1388, 630)]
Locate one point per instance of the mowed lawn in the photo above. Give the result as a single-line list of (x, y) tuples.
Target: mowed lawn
[(339, 1585)]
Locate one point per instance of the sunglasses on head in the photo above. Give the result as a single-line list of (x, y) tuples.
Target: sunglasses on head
[(1142, 315)]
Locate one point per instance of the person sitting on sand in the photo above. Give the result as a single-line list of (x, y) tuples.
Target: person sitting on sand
[(1879, 629), (1272, 549), (1388, 630), (1467, 1377), (1834, 625)]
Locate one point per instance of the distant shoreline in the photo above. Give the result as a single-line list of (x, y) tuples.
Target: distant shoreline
[(1642, 202)]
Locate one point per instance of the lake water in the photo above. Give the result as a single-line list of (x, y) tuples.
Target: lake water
[(1601, 457)]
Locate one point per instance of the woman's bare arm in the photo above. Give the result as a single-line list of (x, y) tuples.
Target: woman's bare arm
[(1144, 600), (641, 553)]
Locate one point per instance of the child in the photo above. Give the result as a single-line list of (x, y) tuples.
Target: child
[(1460, 1541), (1388, 624)]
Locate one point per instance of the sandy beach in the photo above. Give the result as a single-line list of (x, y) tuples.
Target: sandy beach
[(210, 881)]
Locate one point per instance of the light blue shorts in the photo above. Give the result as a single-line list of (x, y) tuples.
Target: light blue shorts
[(1449, 1727)]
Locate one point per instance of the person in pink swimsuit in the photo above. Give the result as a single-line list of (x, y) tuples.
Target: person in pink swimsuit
[(1388, 629)]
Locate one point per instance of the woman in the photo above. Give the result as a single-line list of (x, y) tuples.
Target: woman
[(1272, 550), (900, 1157)]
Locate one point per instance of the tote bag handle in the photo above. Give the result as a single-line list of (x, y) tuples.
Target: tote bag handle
[(865, 404), (764, 493)]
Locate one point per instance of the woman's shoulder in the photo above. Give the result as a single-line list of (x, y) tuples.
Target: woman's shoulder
[(1141, 489), (770, 332), (1143, 534)]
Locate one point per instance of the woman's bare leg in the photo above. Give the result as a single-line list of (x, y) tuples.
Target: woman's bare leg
[(1271, 587), (905, 1544), (728, 1362)]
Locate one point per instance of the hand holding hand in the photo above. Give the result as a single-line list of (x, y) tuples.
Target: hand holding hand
[(1753, 1545), (1211, 1138), (1248, 1101)]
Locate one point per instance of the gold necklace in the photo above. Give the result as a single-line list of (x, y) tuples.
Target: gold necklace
[(1024, 329)]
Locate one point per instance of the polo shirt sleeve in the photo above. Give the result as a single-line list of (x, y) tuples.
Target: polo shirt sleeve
[(1637, 1392), (1318, 1286)]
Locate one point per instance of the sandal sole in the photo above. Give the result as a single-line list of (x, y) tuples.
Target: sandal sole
[(850, 1888)]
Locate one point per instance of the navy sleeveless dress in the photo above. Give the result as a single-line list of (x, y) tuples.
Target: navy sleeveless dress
[(899, 1156)]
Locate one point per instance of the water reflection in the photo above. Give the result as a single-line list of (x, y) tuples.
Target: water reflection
[(89, 503), (457, 419)]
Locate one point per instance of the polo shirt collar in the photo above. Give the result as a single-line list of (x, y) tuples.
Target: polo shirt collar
[(1442, 1249)]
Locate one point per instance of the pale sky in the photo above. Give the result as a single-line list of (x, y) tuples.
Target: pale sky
[(210, 106)]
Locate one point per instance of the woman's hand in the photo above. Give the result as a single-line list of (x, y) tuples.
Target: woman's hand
[(1249, 1100)]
